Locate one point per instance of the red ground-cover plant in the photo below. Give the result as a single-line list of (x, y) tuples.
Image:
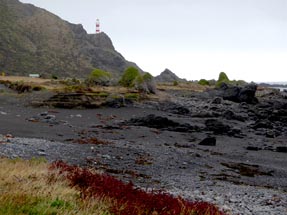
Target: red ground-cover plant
[(92, 140), (128, 200)]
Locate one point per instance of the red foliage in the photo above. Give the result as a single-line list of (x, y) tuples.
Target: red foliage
[(92, 140), (130, 200)]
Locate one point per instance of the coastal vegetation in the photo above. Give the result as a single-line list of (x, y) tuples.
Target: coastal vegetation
[(99, 77), (129, 77), (36, 187)]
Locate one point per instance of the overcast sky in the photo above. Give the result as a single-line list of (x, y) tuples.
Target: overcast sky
[(195, 39)]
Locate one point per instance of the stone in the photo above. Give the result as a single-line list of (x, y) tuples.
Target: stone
[(247, 94), (174, 108), (253, 148), (281, 149), (217, 126), (216, 100), (208, 141), (230, 115), (239, 94), (262, 124), (160, 122)]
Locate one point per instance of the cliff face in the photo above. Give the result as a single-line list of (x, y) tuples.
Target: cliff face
[(33, 40)]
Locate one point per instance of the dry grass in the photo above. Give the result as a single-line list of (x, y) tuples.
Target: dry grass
[(35, 188), (48, 84), (182, 86), (27, 187), (24, 79)]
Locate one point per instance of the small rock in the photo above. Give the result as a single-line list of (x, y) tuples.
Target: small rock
[(253, 148), (217, 100), (50, 117), (281, 149), (43, 114), (42, 153), (106, 157), (208, 141)]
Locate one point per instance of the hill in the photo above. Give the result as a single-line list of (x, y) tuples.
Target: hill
[(33, 40), (168, 76)]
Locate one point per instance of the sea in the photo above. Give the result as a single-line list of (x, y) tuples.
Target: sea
[(282, 86)]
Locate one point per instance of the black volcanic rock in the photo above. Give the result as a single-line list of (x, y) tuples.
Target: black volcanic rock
[(159, 122), (217, 126), (239, 94), (168, 76), (33, 40), (208, 141)]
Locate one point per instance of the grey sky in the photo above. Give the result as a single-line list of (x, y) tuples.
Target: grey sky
[(195, 39)]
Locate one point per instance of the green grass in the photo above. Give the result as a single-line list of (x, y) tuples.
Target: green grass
[(28, 187)]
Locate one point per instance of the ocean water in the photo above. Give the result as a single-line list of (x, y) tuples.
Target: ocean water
[(280, 88)]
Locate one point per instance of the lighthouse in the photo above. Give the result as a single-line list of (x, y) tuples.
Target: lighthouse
[(98, 26)]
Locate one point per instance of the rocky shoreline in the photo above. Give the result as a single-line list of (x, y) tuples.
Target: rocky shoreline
[(208, 146)]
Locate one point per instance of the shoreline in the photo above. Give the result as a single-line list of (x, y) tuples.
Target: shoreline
[(158, 145)]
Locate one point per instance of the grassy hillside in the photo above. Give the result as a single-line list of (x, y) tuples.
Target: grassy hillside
[(33, 40)]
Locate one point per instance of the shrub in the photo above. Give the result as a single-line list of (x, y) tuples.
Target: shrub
[(203, 82), (127, 198), (37, 88), (71, 81), (20, 86), (129, 76), (99, 77), (175, 83), (132, 96), (222, 79)]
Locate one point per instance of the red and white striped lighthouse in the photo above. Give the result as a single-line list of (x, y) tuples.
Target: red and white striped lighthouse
[(98, 26)]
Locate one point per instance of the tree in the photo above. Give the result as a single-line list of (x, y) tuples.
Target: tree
[(129, 76), (99, 77)]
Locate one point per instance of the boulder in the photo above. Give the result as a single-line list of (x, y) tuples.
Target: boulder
[(208, 141), (239, 94), (281, 149), (217, 126), (174, 108), (230, 115), (159, 122), (247, 94), (216, 100)]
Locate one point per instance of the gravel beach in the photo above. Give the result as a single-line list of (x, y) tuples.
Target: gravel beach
[(239, 168)]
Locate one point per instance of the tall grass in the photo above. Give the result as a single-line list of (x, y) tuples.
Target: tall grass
[(28, 187), (36, 188)]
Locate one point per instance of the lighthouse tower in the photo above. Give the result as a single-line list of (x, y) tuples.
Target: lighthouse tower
[(98, 26)]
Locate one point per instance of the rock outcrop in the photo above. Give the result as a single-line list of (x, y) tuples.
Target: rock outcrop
[(168, 76), (239, 94), (33, 40)]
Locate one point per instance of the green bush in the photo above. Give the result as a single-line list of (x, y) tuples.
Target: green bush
[(175, 83), (99, 77), (222, 79), (132, 96), (129, 77), (203, 82)]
